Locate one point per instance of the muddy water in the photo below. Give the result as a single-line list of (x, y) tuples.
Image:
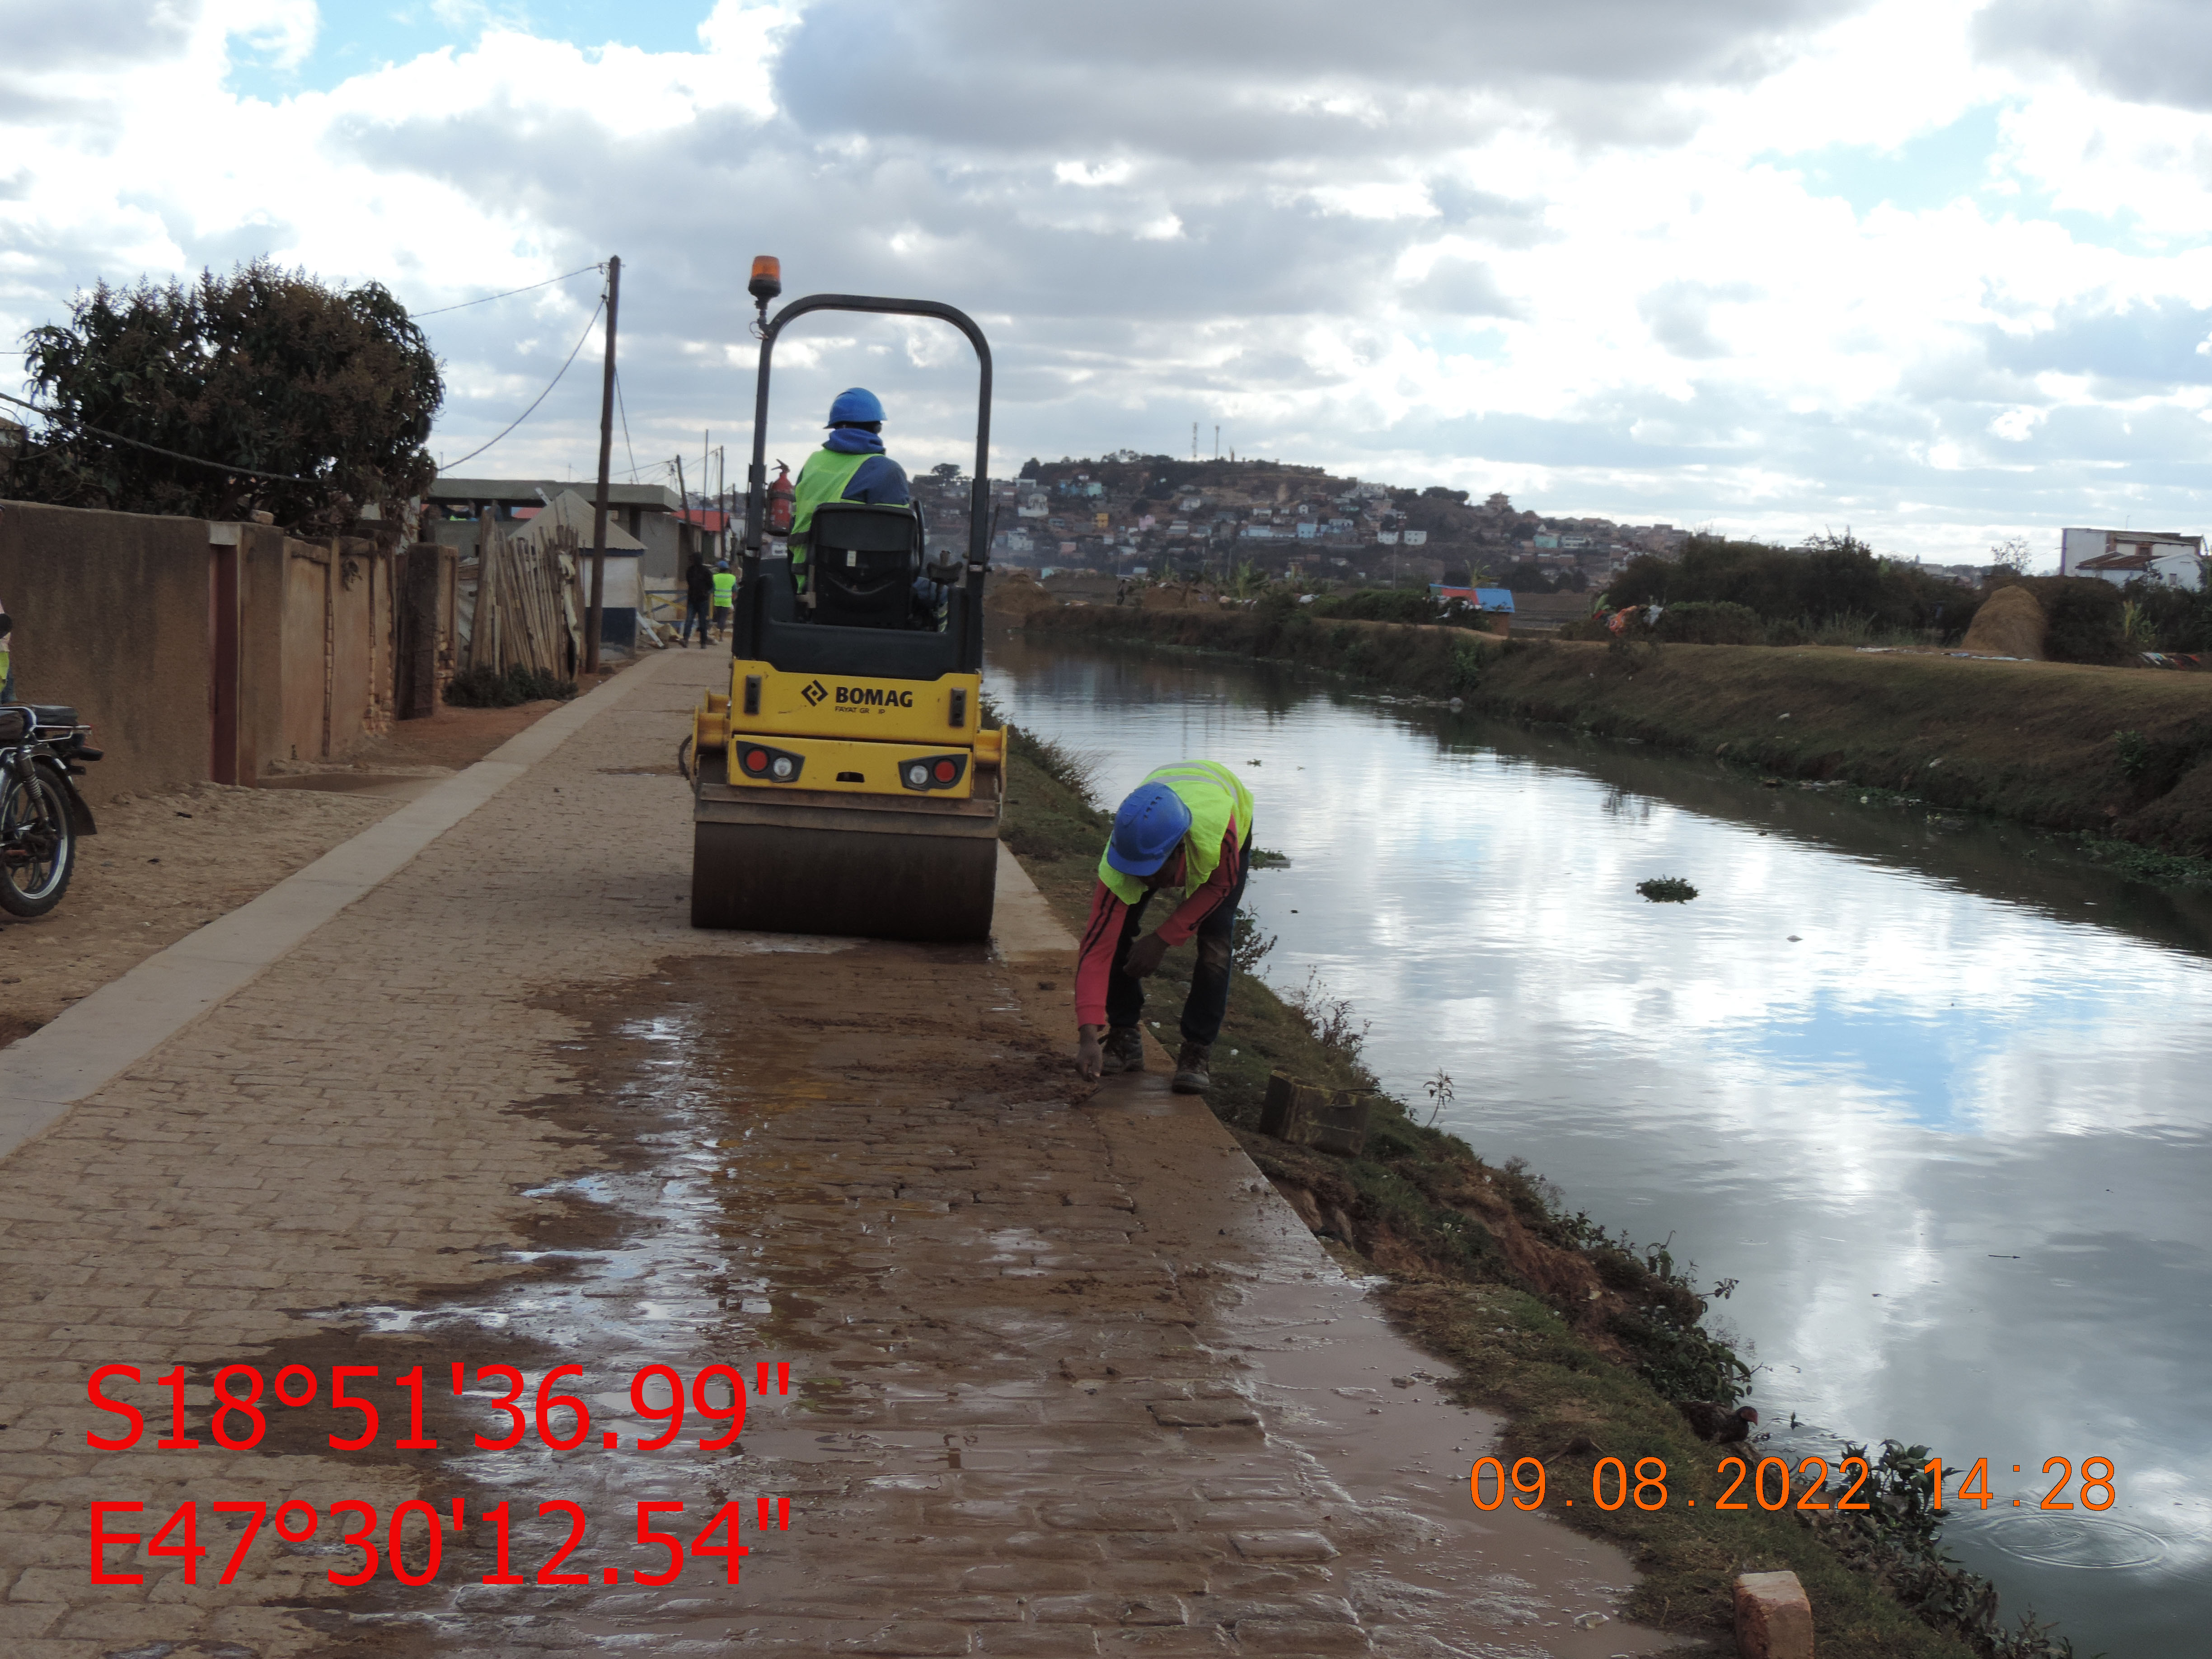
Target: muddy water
[(1934, 1094)]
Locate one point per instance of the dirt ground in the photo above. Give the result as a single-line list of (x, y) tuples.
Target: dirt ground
[(163, 865)]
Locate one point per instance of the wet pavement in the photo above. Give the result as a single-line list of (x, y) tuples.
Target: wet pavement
[(1928, 1091), (1026, 1367)]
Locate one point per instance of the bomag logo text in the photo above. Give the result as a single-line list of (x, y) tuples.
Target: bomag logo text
[(873, 697)]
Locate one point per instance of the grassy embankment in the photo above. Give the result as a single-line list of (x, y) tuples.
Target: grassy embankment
[(1579, 1340), (2122, 756)]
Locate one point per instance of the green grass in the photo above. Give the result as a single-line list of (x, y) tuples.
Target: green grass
[(1564, 1331)]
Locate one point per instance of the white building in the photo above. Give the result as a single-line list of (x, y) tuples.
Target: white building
[(2120, 556)]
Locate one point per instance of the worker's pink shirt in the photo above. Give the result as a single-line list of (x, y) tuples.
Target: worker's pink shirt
[(1103, 931)]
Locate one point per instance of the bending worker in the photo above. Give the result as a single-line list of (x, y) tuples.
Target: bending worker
[(1186, 829), (850, 466)]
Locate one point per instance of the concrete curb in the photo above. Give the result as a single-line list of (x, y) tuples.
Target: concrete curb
[(1024, 933), (96, 1039)]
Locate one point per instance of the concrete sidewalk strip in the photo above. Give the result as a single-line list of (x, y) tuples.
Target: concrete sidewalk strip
[(98, 1038)]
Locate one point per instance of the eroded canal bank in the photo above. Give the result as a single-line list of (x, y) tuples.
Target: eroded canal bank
[(1895, 1129)]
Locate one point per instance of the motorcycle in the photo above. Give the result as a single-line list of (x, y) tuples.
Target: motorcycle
[(43, 748)]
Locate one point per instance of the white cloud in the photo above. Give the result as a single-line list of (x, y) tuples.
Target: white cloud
[(1775, 265)]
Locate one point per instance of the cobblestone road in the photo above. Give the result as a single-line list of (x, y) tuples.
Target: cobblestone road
[(1064, 1376)]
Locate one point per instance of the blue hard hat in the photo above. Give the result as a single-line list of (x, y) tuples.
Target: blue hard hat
[(856, 404), (1149, 827)]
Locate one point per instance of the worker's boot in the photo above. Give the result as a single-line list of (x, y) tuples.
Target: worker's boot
[(1191, 1077), (1125, 1050)]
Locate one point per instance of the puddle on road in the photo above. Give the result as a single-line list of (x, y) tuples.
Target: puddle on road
[(990, 1416)]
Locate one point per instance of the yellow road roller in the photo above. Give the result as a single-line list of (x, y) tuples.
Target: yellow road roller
[(844, 784)]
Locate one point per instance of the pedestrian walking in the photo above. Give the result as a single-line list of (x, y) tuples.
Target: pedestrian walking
[(698, 600), (726, 595), (1186, 830)]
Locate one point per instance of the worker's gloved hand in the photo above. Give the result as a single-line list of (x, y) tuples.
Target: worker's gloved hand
[(1091, 1052), (1144, 957)]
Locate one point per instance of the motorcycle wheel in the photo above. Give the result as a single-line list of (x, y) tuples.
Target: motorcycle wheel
[(37, 848)]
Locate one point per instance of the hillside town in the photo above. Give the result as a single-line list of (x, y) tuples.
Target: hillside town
[(1131, 515)]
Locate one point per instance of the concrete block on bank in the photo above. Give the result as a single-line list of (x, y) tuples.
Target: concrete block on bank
[(1773, 1620), (1307, 1116)]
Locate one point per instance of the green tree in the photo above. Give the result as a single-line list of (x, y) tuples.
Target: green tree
[(265, 368)]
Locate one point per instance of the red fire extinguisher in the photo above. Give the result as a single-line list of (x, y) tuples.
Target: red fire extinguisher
[(780, 503)]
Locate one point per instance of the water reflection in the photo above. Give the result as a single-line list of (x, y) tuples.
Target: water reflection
[(1933, 1091)]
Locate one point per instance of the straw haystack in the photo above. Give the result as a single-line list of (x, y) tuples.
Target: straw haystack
[(2010, 624)]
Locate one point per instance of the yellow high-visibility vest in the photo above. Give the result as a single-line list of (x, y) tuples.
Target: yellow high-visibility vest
[(1213, 793)]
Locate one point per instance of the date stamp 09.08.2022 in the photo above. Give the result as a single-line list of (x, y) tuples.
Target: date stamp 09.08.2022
[(1613, 1485)]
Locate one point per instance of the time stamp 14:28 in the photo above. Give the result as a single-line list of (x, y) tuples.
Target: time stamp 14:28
[(1613, 1486)]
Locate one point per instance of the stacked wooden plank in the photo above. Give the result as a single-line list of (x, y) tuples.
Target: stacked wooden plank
[(526, 610)]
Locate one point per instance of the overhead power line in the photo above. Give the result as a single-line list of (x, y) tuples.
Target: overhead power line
[(486, 299), (447, 466), (174, 455), (626, 450)]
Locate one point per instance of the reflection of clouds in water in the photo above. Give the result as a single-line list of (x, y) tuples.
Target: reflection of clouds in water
[(1855, 1124)]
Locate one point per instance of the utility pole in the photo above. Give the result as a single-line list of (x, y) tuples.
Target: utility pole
[(684, 504), (606, 455)]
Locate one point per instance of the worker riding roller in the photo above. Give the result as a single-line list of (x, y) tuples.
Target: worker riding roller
[(850, 466), (1186, 830)]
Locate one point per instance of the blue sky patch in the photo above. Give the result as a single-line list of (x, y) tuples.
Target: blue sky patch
[(1927, 172), (354, 39)]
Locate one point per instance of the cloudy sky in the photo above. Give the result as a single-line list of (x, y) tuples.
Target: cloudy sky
[(1934, 269)]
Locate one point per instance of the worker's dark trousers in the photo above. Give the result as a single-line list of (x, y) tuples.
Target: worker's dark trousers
[(694, 610), (1208, 1001)]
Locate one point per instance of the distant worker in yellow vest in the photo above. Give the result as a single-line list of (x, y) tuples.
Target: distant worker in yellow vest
[(850, 466), (1187, 829), (726, 595)]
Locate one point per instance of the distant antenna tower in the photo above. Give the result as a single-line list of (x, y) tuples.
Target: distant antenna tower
[(1193, 441), (1217, 443)]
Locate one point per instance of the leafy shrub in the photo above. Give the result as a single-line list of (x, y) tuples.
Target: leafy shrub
[(1467, 665), (2084, 617), (2172, 618), (487, 688), (2132, 752), (1828, 577), (1397, 604)]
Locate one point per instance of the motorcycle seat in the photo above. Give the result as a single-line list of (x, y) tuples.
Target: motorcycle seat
[(52, 714)]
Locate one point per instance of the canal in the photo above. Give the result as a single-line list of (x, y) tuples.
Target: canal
[(1935, 1093)]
